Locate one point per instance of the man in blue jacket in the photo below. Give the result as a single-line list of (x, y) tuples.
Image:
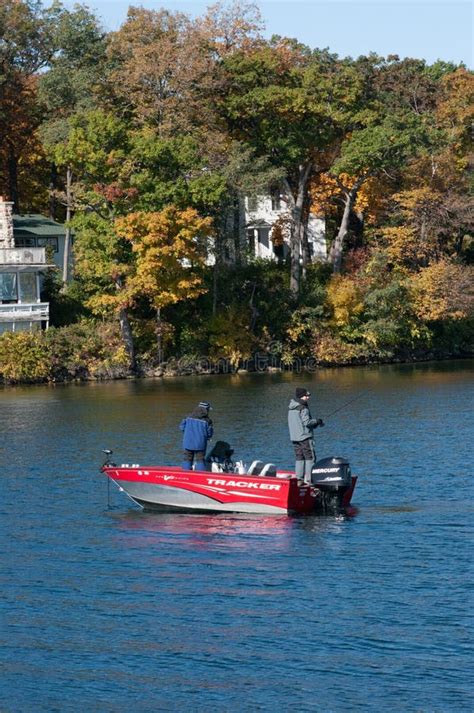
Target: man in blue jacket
[(197, 429)]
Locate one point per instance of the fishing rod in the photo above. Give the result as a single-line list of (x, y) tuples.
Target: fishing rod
[(347, 403)]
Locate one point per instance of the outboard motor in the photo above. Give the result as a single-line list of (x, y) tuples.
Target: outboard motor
[(332, 477)]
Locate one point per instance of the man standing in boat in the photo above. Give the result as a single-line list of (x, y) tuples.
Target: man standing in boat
[(197, 429), (301, 426)]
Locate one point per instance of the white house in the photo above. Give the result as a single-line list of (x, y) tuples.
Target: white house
[(261, 214), (21, 308)]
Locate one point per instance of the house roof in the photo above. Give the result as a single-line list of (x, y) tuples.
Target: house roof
[(36, 225)]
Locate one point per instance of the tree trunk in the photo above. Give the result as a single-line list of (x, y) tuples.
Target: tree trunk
[(296, 204), (126, 331), (253, 309), (127, 337), (159, 335), (295, 266), (335, 254), (67, 236), (236, 229), (305, 251), (53, 181), (350, 195)]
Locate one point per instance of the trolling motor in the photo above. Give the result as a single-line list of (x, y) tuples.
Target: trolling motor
[(107, 461), (333, 478)]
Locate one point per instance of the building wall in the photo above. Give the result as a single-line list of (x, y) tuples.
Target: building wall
[(20, 270), (6, 224), (262, 212)]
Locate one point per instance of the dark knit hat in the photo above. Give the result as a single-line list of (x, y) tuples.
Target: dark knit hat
[(205, 404), (301, 392)]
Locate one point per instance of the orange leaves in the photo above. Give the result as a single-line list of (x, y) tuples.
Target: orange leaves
[(326, 193)]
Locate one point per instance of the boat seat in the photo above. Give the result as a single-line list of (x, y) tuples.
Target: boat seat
[(255, 467), (269, 469)]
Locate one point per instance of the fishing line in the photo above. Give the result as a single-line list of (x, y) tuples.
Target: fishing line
[(347, 403)]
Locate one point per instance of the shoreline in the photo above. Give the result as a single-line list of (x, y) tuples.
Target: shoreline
[(165, 371)]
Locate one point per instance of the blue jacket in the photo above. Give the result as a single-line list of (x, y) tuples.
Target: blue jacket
[(197, 432)]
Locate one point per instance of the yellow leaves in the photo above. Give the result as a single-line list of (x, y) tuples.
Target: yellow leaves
[(169, 245), (443, 290), (296, 330), (229, 335), (416, 241), (457, 109), (345, 298), (331, 349), (403, 245), (24, 356)]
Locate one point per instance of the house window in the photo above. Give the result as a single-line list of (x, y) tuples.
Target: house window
[(28, 287), (276, 201), (25, 242), (22, 327), (6, 327), (252, 203), (251, 239), (8, 287), (264, 236), (46, 242)]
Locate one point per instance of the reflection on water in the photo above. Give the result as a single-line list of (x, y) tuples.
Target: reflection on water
[(118, 609), (237, 530)]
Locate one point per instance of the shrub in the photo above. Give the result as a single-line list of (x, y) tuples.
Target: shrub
[(24, 357), (87, 350)]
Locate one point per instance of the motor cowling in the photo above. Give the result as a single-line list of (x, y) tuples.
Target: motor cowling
[(332, 477)]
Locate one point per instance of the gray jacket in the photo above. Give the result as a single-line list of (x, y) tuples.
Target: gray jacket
[(300, 423)]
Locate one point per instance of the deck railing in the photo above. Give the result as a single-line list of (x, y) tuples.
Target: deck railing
[(25, 312), (22, 256)]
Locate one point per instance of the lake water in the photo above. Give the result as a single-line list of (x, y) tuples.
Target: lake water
[(111, 609)]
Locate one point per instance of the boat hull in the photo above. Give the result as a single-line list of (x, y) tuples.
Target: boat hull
[(174, 489), (168, 489)]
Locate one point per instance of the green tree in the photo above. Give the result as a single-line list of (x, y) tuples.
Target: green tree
[(374, 150), (291, 105), (70, 86)]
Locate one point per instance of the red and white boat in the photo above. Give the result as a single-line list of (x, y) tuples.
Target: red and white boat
[(262, 489)]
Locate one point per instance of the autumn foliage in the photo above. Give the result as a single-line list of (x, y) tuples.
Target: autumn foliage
[(149, 138)]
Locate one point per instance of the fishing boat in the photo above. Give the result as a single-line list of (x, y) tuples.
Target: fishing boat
[(261, 488)]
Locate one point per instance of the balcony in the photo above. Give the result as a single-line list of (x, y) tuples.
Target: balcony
[(22, 257), (15, 312)]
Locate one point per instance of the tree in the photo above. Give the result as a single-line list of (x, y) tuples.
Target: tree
[(375, 150), (25, 47), (68, 87), (291, 105), (94, 148), (170, 251), (443, 291), (103, 264)]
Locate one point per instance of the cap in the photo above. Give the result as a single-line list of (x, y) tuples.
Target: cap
[(205, 404), (300, 392)]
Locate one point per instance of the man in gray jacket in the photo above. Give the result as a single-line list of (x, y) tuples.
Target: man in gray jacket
[(301, 426)]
